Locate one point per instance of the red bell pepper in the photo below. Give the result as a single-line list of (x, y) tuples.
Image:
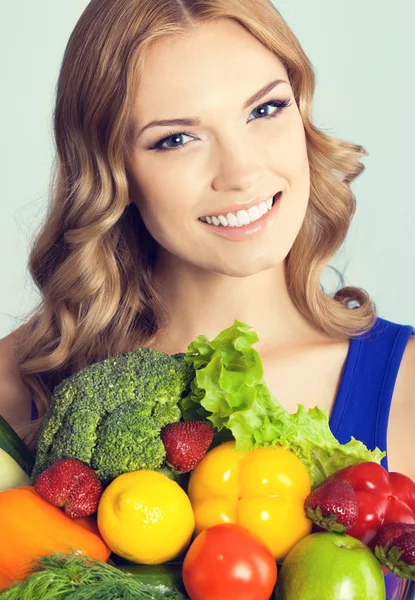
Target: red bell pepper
[(382, 497)]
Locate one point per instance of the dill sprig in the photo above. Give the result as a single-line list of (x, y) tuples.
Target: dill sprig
[(76, 577)]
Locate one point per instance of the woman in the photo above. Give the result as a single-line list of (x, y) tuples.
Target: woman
[(192, 188)]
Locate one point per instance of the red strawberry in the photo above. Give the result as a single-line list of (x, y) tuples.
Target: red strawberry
[(186, 443), (394, 546), (332, 505), (390, 531), (71, 484)]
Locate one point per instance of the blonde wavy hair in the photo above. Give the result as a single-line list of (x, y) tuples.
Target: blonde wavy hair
[(92, 259)]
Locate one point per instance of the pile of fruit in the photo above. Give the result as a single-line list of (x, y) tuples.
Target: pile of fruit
[(206, 490)]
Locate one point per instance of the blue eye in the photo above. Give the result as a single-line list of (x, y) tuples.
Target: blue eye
[(280, 105)]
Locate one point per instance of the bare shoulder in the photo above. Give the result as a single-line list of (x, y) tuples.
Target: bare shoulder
[(14, 395), (401, 428)]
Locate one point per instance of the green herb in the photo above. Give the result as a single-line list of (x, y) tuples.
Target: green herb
[(229, 391), (75, 577)]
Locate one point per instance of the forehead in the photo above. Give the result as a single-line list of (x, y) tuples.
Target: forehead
[(216, 60)]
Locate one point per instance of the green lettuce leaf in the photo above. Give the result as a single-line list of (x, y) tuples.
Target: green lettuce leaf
[(229, 391)]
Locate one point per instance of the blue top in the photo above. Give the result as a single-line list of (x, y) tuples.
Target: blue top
[(363, 401)]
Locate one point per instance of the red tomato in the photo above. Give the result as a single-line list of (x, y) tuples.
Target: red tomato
[(228, 562)]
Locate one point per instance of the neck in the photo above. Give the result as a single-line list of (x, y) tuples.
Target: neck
[(198, 302)]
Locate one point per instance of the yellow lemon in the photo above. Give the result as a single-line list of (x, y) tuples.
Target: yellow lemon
[(145, 517)]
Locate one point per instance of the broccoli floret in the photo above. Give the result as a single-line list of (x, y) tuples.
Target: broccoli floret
[(110, 413), (128, 440)]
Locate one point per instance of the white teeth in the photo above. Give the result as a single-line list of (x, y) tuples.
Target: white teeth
[(254, 213), (232, 220), (242, 217), (263, 208)]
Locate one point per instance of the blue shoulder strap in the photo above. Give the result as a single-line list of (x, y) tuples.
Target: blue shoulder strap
[(363, 402)]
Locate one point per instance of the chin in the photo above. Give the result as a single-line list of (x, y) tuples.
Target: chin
[(246, 268)]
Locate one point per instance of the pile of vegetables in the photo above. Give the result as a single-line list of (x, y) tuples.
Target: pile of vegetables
[(148, 411), (110, 414)]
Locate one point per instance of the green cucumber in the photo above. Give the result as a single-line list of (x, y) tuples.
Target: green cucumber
[(164, 577), (11, 443)]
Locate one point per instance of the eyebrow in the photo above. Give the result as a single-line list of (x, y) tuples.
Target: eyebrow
[(189, 121)]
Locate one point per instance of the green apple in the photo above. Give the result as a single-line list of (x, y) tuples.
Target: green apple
[(330, 566)]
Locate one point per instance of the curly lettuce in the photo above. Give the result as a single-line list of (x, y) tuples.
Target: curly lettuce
[(229, 391)]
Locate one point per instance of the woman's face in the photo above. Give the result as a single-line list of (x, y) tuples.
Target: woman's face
[(235, 158)]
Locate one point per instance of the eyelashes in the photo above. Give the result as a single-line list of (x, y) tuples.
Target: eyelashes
[(280, 105)]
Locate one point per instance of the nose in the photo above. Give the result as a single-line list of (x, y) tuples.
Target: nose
[(237, 169)]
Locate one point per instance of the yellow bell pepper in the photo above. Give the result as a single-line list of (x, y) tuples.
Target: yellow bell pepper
[(263, 490)]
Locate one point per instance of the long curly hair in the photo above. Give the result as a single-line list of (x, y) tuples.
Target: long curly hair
[(92, 259)]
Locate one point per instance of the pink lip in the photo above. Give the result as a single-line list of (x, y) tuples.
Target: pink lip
[(235, 207), (247, 232)]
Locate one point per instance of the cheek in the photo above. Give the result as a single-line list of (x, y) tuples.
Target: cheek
[(297, 169), (297, 200), (290, 162), (166, 200), (163, 194), (287, 149)]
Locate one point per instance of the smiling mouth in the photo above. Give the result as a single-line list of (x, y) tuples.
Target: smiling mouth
[(241, 218)]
